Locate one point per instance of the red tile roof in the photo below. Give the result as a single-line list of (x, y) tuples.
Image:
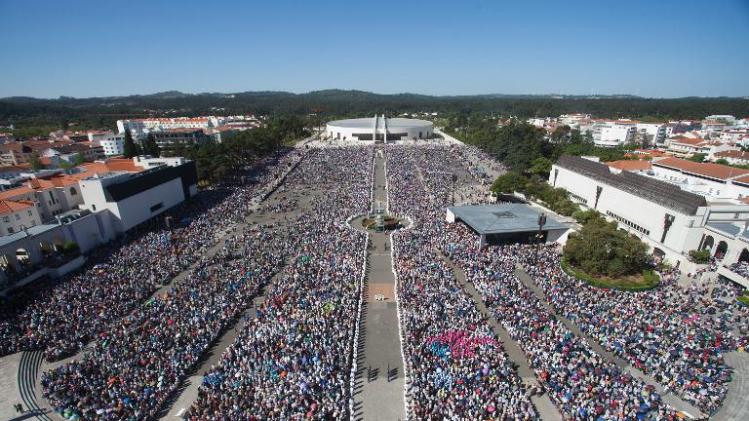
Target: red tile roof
[(10, 206), (694, 141), (631, 165), (718, 171), (733, 154)]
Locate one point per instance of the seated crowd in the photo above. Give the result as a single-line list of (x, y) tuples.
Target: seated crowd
[(61, 316)]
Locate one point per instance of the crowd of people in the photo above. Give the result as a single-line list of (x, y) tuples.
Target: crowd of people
[(676, 340), (742, 268), (580, 382), (456, 366), (294, 359), (61, 316)]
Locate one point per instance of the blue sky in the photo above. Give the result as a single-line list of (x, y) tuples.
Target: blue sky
[(649, 48)]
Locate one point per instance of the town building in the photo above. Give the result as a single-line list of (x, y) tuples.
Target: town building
[(612, 133), (171, 140), (714, 181), (651, 134), (671, 221), (133, 198), (733, 157), (17, 215), (113, 144), (688, 146)]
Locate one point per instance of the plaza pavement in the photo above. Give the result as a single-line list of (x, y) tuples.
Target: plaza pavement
[(380, 379)]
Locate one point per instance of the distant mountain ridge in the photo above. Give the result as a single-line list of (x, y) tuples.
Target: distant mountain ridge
[(335, 103), (317, 93)]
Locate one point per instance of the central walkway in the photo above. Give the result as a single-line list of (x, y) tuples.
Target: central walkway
[(379, 387)]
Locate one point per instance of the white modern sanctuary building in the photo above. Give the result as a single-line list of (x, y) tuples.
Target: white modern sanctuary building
[(379, 129), (133, 198), (668, 219)]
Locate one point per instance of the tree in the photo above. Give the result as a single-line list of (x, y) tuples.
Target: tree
[(600, 248), (151, 147), (541, 167), (130, 149), (509, 183), (722, 161), (36, 162), (698, 157)]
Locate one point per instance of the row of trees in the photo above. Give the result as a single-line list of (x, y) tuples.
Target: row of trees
[(520, 145), (103, 112), (215, 161), (148, 147)]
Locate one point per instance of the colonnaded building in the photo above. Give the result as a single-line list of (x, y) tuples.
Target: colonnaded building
[(379, 129), (671, 220)]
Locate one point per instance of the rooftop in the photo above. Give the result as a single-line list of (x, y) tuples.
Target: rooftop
[(503, 218), (631, 164), (733, 154), (650, 189), (704, 169), (10, 206), (392, 123)]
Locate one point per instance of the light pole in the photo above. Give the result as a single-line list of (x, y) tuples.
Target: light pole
[(454, 178), (541, 223)]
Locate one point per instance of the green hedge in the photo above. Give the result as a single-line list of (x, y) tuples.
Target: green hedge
[(651, 279)]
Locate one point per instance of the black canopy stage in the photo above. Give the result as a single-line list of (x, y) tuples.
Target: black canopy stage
[(508, 223)]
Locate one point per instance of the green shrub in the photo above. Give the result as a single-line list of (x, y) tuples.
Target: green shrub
[(700, 256), (650, 279)]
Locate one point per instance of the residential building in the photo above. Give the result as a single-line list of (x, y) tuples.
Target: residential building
[(685, 146), (15, 216), (113, 144), (718, 183), (612, 133), (573, 120), (733, 135), (651, 134), (170, 140), (733, 157)]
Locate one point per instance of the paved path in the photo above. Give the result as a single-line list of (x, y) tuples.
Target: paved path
[(736, 405), (379, 386), (546, 409), (188, 390), (669, 398)]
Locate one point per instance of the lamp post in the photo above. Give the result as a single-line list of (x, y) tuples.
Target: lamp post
[(454, 178), (541, 223)]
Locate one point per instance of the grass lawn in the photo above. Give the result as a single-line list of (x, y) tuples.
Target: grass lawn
[(744, 299), (647, 280)]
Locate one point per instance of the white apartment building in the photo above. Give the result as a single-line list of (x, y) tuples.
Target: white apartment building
[(112, 143), (139, 128), (684, 146), (573, 120), (726, 118), (653, 133), (734, 135), (16, 216), (612, 133)]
